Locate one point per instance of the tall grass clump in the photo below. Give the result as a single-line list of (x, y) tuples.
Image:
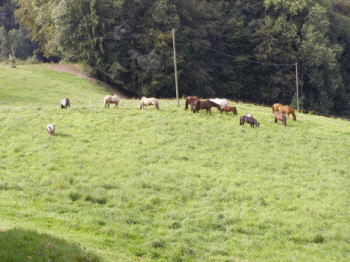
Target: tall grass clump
[(171, 185)]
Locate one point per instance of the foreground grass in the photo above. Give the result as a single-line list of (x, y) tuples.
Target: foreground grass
[(173, 186), (27, 245)]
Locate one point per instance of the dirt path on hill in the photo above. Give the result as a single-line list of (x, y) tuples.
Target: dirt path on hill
[(71, 69)]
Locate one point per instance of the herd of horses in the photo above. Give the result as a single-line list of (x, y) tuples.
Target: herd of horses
[(194, 104)]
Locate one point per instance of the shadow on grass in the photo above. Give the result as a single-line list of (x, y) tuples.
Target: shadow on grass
[(62, 135), (28, 245)]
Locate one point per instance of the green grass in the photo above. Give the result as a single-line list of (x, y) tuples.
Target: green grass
[(130, 185), (28, 245)]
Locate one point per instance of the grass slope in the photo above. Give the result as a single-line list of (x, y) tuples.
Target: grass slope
[(36, 84), (131, 184)]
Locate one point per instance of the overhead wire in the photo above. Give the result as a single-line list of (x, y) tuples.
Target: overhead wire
[(167, 32)]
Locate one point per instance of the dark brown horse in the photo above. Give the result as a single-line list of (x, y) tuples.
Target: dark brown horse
[(287, 110), (280, 117), (207, 105), (229, 109), (250, 120), (190, 101)]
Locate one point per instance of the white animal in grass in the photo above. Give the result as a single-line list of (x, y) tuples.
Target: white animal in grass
[(145, 101), (50, 129), (111, 100), (65, 103), (222, 102)]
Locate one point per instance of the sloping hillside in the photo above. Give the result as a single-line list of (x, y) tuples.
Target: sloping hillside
[(168, 185), (39, 84)]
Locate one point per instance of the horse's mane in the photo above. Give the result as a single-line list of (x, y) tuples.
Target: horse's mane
[(213, 103)]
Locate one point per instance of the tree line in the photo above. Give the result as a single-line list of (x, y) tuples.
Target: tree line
[(239, 49)]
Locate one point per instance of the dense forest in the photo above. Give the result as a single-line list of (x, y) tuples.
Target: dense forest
[(239, 49)]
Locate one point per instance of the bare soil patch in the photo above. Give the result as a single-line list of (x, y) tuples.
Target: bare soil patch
[(71, 69)]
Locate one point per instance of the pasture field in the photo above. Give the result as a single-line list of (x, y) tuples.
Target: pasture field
[(123, 184)]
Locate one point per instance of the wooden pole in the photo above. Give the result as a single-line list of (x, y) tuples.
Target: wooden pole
[(297, 85), (175, 68)]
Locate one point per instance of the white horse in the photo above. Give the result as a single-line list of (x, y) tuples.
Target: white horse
[(221, 102), (50, 129), (149, 101), (111, 100), (65, 103)]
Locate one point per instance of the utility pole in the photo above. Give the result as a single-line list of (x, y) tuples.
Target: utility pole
[(175, 68), (296, 82)]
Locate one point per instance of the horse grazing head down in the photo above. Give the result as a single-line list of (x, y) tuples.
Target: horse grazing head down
[(250, 120), (287, 110), (65, 103), (275, 107), (146, 101), (111, 100), (50, 128), (221, 102), (280, 117), (229, 109), (207, 105)]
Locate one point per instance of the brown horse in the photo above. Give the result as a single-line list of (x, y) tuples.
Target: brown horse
[(207, 105), (229, 109), (287, 110), (248, 119), (275, 107), (190, 100), (281, 117)]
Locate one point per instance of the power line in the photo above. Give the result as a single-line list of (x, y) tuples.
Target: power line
[(222, 53), (168, 32), (117, 38)]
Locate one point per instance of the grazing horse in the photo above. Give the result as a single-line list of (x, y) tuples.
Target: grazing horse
[(111, 100), (50, 129), (275, 107), (287, 110), (281, 117), (65, 103), (229, 109), (190, 100), (207, 105), (250, 120), (221, 102), (149, 101)]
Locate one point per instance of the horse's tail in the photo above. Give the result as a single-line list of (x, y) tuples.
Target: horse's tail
[(186, 105)]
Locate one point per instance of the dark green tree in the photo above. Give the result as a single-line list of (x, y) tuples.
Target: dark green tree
[(320, 68)]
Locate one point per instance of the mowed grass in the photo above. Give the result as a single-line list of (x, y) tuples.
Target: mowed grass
[(129, 185)]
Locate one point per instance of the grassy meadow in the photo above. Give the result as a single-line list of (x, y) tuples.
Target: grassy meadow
[(123, 184)]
